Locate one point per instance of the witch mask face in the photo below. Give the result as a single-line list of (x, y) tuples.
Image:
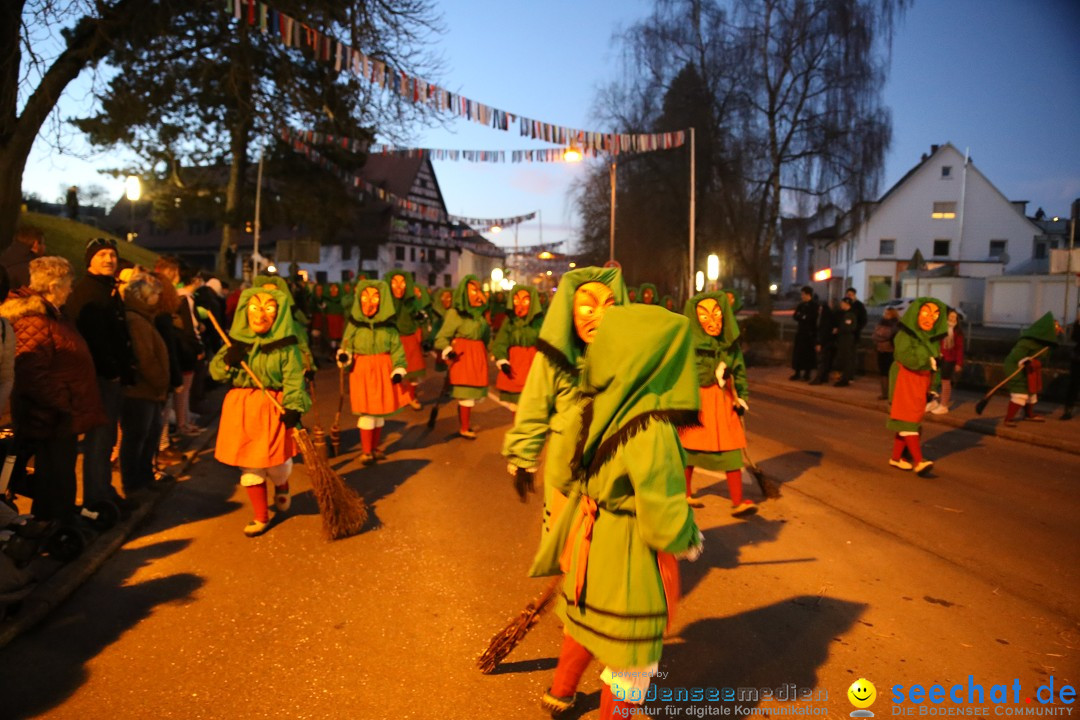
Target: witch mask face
[(416, 292), (397, 286), (928, 316), (447, 299), (710, 316), (591, 302), (262, 310), (334, 291), (647, 296), (522, 301), (369, 301), (476, 297)]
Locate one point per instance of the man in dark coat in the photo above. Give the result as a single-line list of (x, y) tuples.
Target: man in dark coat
[(29, 243), (847, 337), (803, 358), (860, 312), (826, 343), (96, 308)]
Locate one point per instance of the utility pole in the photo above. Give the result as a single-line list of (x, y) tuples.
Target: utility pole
[(693, 203), (611, 242)]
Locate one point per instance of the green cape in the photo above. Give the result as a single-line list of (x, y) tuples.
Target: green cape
[(1043, 330), (461, 298), (558, 331), (436, 303), (282, 328), (534, 303)]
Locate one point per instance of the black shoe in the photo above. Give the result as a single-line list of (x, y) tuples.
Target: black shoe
[(1067, 415)]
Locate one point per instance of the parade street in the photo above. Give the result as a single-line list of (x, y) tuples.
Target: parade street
[(859, 570)]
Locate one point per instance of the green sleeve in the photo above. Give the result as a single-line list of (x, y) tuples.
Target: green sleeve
[(219, 370), (911, 353), (295, 396), (446, 332), (500, 346), (654, 460), (525, 440), (347, 336), (397, 350)]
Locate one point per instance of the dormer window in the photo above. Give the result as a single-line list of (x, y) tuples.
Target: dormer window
[(946, 171), (944, 211)]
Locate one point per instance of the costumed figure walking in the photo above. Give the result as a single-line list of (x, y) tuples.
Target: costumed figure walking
[(372, 348), (668, 303), (462, 344), (401, 290), (334, 308), (648, 295), (300, 321), (253, 435), (442, 299), (914, 377), (318, 316), (718, 441), (1024, 389), (626, 520), (514, 346)]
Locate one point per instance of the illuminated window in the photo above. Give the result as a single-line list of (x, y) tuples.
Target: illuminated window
[(941, 248), (944, 211), (886, 247)]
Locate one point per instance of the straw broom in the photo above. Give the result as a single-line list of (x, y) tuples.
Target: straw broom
[(343, 511), (508, 638), (769, 487)]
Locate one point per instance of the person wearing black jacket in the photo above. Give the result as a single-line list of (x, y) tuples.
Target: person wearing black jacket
[(803, 359), (847, 338), (826, 343), (860, 312), (96, 308)]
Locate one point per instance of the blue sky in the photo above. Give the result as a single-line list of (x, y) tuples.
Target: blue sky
[(998, 77)]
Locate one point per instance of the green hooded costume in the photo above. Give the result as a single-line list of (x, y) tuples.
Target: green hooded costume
[(913, 349), (369, 337), (736, 299), (516, 332), (301, 320), (655, 294), (405, 306), (549, 406), (709, 352), (626, 488), (668, 303), (1042, 333), (632, 294), (333, 304), (463, 320)]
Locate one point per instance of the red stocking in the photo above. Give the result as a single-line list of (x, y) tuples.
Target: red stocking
[(410, 390), (1011, 411), (376, 435), (609, 706), (464, 412), (257, 496), (367, 438), (734, 485), (897, 447), (689, 475), (573, 660), (912, 442), (1029, 410)]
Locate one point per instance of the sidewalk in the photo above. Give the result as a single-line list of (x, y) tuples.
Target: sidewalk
[(864, 390)]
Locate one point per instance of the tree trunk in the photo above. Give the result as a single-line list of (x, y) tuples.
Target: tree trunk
[(12, 162), (239, 140)]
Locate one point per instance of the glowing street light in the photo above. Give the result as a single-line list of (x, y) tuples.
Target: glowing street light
[(133, 188), (545, 255), (699, 280), (712, 268), (573, 265), (572, 154), (496, 229), (272, 269), (496, 276)]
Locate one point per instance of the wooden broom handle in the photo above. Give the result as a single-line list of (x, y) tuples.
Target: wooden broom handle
[(1018, 371)]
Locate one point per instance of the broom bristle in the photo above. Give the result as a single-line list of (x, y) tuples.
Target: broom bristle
[(769, 487), (343, 512), (506, 640)]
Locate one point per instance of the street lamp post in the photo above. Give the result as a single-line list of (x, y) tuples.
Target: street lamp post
[(133, 191), (611, 242), (693, 202)]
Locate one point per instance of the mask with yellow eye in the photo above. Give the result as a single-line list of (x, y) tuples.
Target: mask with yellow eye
[(928, 316), (474, 294), (447, 299), (647, 296), (591, 302), (522, 301), (416, 292), (369, 301), (397, 286), (711, 317), (335, 290), (262, 310)]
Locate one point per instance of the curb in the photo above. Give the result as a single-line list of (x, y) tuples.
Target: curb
[(59, 586), (971, 424)]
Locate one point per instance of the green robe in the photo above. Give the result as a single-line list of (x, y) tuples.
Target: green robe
[(913, 348), (464, 321), (638, 384), (517, 332), (1042, 333), (274, 357), (377, 334)]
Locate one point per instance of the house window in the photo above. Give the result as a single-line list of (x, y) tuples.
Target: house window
[(412, 254), (446, 256), (1040, 251), (946, 171), (423, 254), (447, 282), (399, 252), (944, 211), (431, 280), (886, 247), (997, 248), (320, 276), (941, 248)]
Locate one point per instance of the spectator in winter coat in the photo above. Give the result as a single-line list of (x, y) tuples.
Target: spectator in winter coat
[(860, 312), (168, 306), (883, 344), (56, 395), (803, 359), (96, 308), (826, 343), (7, 359), (847, 339), (29, 243)]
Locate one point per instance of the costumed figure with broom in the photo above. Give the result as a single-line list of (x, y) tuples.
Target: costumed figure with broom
[(632, 294), (648, 294), (462, 344), (626, 521), (913, 378), (718, 442), (514, 345), (401, 291), (423, 315), (318, 315), (254, 435), (334, 309), (1024, 387), (372, 347)]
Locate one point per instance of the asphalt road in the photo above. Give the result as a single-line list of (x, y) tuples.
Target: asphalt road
[(858, 571)]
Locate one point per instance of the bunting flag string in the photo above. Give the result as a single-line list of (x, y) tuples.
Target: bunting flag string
[(548, 155), (296, 34), (489, 222)]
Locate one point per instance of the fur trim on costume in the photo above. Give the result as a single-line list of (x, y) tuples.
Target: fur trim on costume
[(680, 419), (556, 358)]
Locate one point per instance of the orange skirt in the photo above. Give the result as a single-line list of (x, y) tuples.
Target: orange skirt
[(720, 428), (251, 433), (520, 359), (470, 369), (909, 395), (370, 390), (414, 356), (335, 326)]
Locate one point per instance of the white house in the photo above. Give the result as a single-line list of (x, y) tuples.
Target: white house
[(946, 209)]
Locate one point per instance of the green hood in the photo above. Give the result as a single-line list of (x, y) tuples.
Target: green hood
[(729, 333), (497, 302), (436, 304), (910, 320), (409, 295), (461, 298), (423, 302), (275, 280), (668, 303), (534, 303), (282, 328), (386, 311), (632, 294), (640, 364), (1043, 330), (558, 331), (736, 299), (655, 294)]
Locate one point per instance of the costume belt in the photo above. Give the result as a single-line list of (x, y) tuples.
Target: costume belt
[(585, 521)]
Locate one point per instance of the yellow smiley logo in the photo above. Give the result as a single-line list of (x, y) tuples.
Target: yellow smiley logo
[(862, 693)]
